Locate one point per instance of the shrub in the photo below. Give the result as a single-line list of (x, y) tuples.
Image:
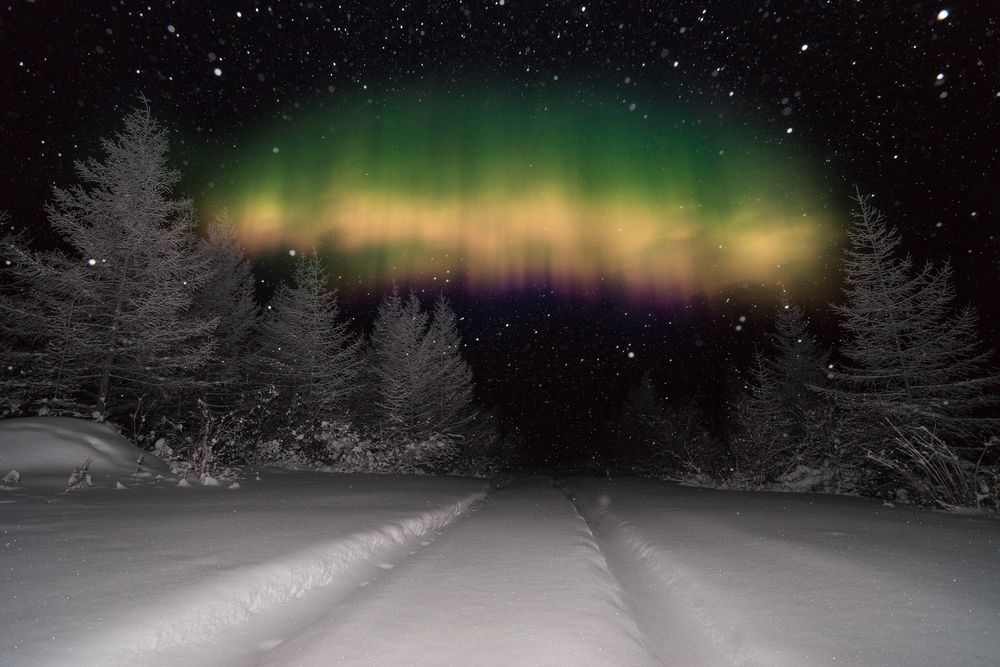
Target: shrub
[(935, 473)]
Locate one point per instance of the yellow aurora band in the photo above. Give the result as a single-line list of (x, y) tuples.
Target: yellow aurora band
[(505, 191)]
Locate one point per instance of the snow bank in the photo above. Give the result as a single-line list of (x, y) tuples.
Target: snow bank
[(45, 450)]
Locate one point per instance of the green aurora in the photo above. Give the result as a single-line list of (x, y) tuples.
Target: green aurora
[(501, 190)]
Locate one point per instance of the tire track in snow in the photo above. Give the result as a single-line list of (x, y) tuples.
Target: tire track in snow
[(757, 596), (679, 625), (522, 583), (221, 604), (616, 591)]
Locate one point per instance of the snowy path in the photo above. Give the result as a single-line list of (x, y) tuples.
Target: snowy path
[(519, 582)]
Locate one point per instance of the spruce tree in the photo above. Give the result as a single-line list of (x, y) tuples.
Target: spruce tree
[(228, 295), (108, 322), (309, 355), (799, 363), (425, 387), (29, 339), (450, 389), (762, 447), (402, 366), (909, 358), (816, 423)]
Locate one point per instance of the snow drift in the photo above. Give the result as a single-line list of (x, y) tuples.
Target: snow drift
[(45, 450)]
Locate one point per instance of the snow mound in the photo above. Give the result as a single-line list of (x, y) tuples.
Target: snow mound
[(45, 450)]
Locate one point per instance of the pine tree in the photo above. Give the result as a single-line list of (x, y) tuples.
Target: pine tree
[(910, 359), (22, 348), (425, 388), (110, 322), (799, 368), (799, 364), (19, 349), (228, 295), (235, 405), (310, 356), (485, 448), (450, 388), (402, 366), (762, 447)]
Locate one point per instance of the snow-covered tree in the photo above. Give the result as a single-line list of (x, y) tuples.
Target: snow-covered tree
[(16, 347), (109, 321), (909, 358), (309, 354), (234, 406), (228, 295), (424, 386), (799, 369), (761, 449), (450, 392), (402, 368), (799, 363)]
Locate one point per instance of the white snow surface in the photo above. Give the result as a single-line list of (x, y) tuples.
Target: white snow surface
[(315, 568), (519, 582), (45, 450), (743, 578), (159, 572)]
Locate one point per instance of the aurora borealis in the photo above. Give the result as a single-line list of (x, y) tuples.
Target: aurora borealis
[(506, 189)]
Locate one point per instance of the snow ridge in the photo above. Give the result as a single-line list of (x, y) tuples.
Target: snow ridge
[(613, 592), (695, 614), (233, 598)]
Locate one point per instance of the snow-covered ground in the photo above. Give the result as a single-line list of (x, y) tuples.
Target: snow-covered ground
[(120, 575), (45, 451), (723, 577), (311, 568)]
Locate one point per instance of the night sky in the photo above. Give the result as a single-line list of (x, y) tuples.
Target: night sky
[(781, 109)]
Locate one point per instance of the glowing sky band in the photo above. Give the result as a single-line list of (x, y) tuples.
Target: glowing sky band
[(500, 191)]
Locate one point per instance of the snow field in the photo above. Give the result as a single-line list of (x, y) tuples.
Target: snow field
[(312, 568)]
